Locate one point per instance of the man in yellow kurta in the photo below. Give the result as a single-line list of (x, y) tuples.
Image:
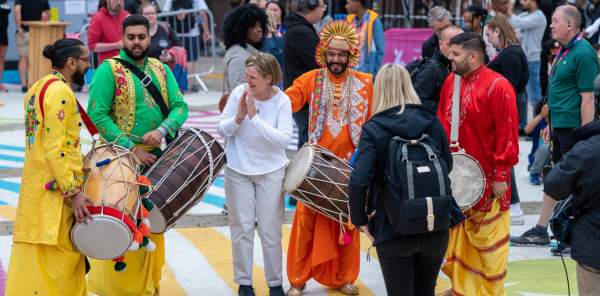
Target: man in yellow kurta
[(43, 260), (122, 108), (340, 102)]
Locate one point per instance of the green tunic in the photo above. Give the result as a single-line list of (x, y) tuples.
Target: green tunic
[(114, 111)]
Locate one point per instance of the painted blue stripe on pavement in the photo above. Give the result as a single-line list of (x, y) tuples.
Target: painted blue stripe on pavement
[(12, 158), (10, 186), (3, 203), (12, 148)]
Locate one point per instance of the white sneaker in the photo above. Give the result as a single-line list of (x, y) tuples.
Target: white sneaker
[(517, 219)]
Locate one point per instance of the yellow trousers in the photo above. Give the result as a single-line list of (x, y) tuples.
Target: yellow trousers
[(477, 255), (39, 269), (141, 277)]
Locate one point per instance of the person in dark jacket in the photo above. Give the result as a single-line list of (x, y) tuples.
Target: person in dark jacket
[(439, 18), (429, 79), (299, 44), (578, 174), (511, 63), (411, 263)]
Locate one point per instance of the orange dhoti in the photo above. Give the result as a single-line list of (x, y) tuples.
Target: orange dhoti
[(314, 251)]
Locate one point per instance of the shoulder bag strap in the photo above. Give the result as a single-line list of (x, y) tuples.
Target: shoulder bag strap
[(148, 84), (91, 127), (455, 111)]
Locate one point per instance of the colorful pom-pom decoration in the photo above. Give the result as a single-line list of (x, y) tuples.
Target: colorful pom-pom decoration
[(147, 204), (51, 186), (119, 264)]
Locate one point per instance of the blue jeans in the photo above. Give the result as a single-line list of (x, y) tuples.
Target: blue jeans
[(533, 88)]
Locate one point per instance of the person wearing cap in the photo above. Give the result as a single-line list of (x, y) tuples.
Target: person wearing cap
[(339, 100)]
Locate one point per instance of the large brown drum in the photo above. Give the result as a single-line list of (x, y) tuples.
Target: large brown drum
[(319, 179), (182, 175)]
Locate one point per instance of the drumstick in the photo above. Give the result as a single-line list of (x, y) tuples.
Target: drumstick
[(108, 160)]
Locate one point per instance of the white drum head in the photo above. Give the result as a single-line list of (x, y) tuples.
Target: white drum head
[(157, 221), (104, 237), (298, 168), (467, 180)]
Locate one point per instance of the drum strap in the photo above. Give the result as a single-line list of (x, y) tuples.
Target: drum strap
[(454, 125), (91, 127)]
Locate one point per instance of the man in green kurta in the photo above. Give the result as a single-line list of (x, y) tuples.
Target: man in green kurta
[(123, 109)]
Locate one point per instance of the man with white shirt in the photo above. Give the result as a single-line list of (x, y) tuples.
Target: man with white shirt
[(531, 23)]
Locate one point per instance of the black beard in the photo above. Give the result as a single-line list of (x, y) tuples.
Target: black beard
[(136, 57), (344, 67), (79, 77)]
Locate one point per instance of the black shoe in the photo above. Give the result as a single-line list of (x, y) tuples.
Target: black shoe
[(531, 237), (276, 291), (245, 291), (24, 89)]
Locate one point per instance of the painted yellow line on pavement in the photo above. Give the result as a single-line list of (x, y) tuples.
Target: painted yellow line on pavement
[(361, 286), (8, 212), (169, 284), (216, 248)]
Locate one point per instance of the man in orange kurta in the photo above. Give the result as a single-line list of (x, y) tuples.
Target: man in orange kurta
[(340, 102)]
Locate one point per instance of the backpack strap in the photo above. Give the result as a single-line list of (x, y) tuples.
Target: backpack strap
[(91, 127), (432, 157)]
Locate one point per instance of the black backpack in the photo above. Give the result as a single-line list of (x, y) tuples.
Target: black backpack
[(417, 195), (414, 67)]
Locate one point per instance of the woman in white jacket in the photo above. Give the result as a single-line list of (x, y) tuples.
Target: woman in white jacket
[(257, 124)]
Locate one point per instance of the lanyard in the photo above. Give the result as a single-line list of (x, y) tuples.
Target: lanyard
[(559, 57)]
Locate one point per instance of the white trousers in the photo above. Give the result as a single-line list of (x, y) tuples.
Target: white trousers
[(257, 199)]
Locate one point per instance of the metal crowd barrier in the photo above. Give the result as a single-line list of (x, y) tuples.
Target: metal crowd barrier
[(202, 54), (190, 36)]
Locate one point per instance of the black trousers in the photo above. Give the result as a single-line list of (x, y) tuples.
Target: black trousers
[(411, 264), (562, 142), (514, 192)]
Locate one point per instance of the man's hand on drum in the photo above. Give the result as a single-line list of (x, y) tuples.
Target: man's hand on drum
[(153, 138), (79, 203), (146, 158), (242, 108), (499, 188)]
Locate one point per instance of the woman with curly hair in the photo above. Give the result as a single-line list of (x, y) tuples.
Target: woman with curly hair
[(243, 36)]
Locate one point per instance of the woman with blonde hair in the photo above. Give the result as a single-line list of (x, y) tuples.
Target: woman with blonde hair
[(410, 260), (511, 62), (257, 126)]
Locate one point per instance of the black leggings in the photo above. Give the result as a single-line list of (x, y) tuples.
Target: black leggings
[(411, 264)]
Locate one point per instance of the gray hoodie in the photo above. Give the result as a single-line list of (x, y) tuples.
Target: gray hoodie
[(531, 27), (234, 65)]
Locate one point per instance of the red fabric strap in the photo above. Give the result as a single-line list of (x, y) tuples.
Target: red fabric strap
[(91, 127), (109, 211)]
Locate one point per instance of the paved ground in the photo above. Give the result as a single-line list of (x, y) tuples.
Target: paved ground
[(199, 259)]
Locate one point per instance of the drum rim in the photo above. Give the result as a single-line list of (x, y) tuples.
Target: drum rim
[(484, 179), (98, 217), (153, 223), (297, 184)]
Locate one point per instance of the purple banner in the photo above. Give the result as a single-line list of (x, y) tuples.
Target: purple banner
[(404, 45)]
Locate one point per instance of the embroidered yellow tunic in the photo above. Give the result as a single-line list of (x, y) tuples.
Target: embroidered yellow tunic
[(119, 104), (43, 260)]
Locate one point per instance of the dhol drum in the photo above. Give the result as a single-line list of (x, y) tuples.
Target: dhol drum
[(111, 184), (466, 180), (319, 179), (182, 175)]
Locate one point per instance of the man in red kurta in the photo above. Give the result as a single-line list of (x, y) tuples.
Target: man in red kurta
[(477, 254), (340, 102)]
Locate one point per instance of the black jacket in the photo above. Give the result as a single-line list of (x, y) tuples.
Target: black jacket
[(430, 46), (369, 170), (299, 44), (511, 63), (430, 78), (578, 173)]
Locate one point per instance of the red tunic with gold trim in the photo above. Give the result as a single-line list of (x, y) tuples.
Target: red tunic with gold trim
[(339, 106), (488, 128)]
